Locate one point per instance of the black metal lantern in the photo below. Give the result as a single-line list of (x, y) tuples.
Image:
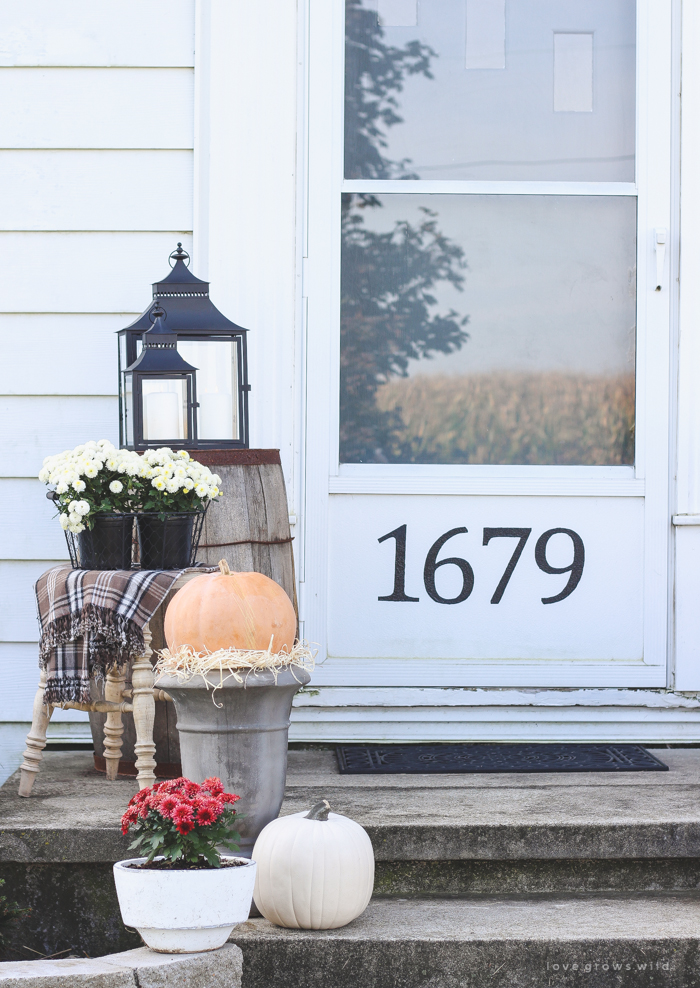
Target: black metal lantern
[(212, 383), (159, 391)]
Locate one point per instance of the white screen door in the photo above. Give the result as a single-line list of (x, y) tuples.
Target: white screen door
[(487, 349)]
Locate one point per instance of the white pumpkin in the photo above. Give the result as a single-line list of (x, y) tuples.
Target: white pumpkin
[(315, 871)]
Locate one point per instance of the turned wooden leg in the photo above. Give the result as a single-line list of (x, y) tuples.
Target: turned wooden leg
[(144, 714), (114, 725), (36, 739)]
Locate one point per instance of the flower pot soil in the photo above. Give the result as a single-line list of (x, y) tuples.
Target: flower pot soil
[(175, 866)]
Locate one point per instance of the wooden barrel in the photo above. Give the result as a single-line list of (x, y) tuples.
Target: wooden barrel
[(249, 527)]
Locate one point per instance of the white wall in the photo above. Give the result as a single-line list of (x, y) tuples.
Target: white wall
[(96, 188), (115, 142), (687, 519)]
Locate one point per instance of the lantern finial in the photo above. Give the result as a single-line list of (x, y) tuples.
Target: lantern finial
[(159, 335), (179, 255)]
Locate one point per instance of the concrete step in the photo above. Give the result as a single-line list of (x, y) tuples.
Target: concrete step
[(504, 834), (486, 942)]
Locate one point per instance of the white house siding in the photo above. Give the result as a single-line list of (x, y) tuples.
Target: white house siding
[(96, 187)]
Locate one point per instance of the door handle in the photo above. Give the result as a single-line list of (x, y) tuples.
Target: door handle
[(660, 247)]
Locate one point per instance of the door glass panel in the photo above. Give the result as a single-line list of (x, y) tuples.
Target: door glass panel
[(488, 329), (490, 89)]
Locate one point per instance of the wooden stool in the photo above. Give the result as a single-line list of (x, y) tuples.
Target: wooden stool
[(140, 700)]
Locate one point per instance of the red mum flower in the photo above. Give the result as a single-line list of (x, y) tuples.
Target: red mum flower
[(214, 785), (185, 827), (208, 812), (190, 789), (229, 797), (182, 814), (174, 785), (168, 804), (131, 816)]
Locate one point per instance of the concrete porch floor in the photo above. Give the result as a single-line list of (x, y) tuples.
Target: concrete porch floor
[(74, 812)]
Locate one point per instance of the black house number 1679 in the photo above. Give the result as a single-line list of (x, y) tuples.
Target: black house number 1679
[(432, 564)]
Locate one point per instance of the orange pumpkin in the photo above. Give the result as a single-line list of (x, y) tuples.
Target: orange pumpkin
[(230, 610)]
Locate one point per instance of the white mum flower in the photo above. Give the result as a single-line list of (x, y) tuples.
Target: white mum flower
[(112, 462), (82, 508), (63, 521), (77, 485), (76, 529), (62, 487), (158, 483), (74, 518), (116, 487), (92, 470), (201, 490), (188, 484), (172, 486), (44, 474), (183, 454)]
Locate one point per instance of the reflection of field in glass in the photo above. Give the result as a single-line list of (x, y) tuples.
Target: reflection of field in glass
[(513, 418)]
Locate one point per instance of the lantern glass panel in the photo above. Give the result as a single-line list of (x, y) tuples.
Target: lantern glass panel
[(217, 386), (128, 410), (164, 409)]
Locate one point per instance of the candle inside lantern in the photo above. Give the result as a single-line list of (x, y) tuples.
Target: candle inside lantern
[(162, 416), (215, 416)]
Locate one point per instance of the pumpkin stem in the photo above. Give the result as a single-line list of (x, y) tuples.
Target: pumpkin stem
[(224, 567), (320, 811)]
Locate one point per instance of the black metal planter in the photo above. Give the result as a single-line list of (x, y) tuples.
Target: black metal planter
[(169, 540), (108, 545)]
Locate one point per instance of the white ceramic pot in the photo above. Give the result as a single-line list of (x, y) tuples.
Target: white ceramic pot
[(182, 911)]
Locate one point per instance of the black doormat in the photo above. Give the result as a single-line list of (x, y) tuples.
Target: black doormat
[(390, 759)]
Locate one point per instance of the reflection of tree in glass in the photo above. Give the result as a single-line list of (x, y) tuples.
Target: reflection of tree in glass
[(386, 321), (387, 310), (374, 73)]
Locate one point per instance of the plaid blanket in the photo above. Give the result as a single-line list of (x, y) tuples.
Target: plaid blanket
[(92, 620)]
